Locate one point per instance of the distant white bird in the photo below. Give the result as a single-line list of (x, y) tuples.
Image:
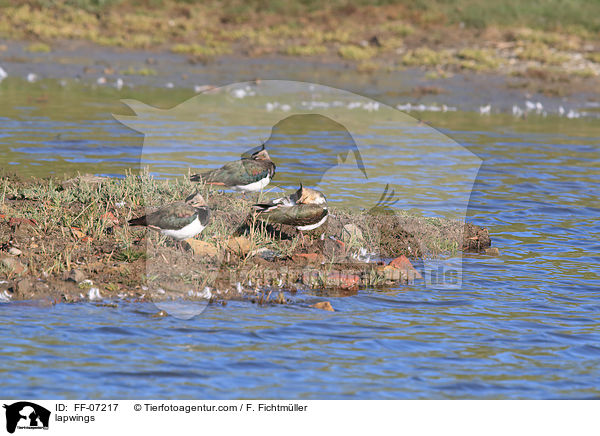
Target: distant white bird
[(3, 74), (561, 110), (573, 114), (170, 85), (485, 110), (239, 93), (371, 106), (517, 111), (539, 107), (101, 80), (529, 105), (31, 77), (119, 84)]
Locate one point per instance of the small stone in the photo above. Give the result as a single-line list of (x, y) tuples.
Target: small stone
[(160, 314), (201, 248), (492, 251), (13, 264), (239, 244), (14, 251), (402, 263), (342, 280), (352, 232), (24, 287), (323, 305), (265, 253), (76, 276), (304, 258)]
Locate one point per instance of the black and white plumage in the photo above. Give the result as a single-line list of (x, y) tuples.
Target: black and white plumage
[(306, 209), (249, 174), (180, 220)]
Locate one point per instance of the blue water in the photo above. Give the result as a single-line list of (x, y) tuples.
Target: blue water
[(525, 324)]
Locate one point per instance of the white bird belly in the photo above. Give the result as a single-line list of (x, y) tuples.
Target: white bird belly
[(313, 226), (256, 186), (189, 231)]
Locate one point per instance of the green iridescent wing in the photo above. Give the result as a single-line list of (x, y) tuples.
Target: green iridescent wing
[(298, 215), (241, 172)]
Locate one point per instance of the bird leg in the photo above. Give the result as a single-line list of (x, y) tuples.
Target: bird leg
[(301, 238)]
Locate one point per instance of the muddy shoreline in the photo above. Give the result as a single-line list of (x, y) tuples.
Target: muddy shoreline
[(413, 89), (68, 241)]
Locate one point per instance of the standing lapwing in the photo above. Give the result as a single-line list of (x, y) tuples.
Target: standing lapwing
[(181, 220), (249, 174)]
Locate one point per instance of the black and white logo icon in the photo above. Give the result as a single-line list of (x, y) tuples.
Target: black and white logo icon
[(26, 415)]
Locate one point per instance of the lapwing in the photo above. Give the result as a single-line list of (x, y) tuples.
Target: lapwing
[(305, 209), (181, 220), (249, 174)]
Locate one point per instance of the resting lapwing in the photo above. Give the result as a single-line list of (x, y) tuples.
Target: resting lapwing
[(305, 209), (249, 174), (181, 220)]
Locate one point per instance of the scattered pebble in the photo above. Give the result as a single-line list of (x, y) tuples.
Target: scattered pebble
[(14, 251), (76, 276), (24, 286), (94, 294), (352, 231), (12, 264), (323, 305)]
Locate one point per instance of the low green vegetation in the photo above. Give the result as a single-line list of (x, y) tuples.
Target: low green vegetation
[(38, 47), (139, 72), (425, 57), (304, 50), (433, 34), (356, 53), (58, 226)]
